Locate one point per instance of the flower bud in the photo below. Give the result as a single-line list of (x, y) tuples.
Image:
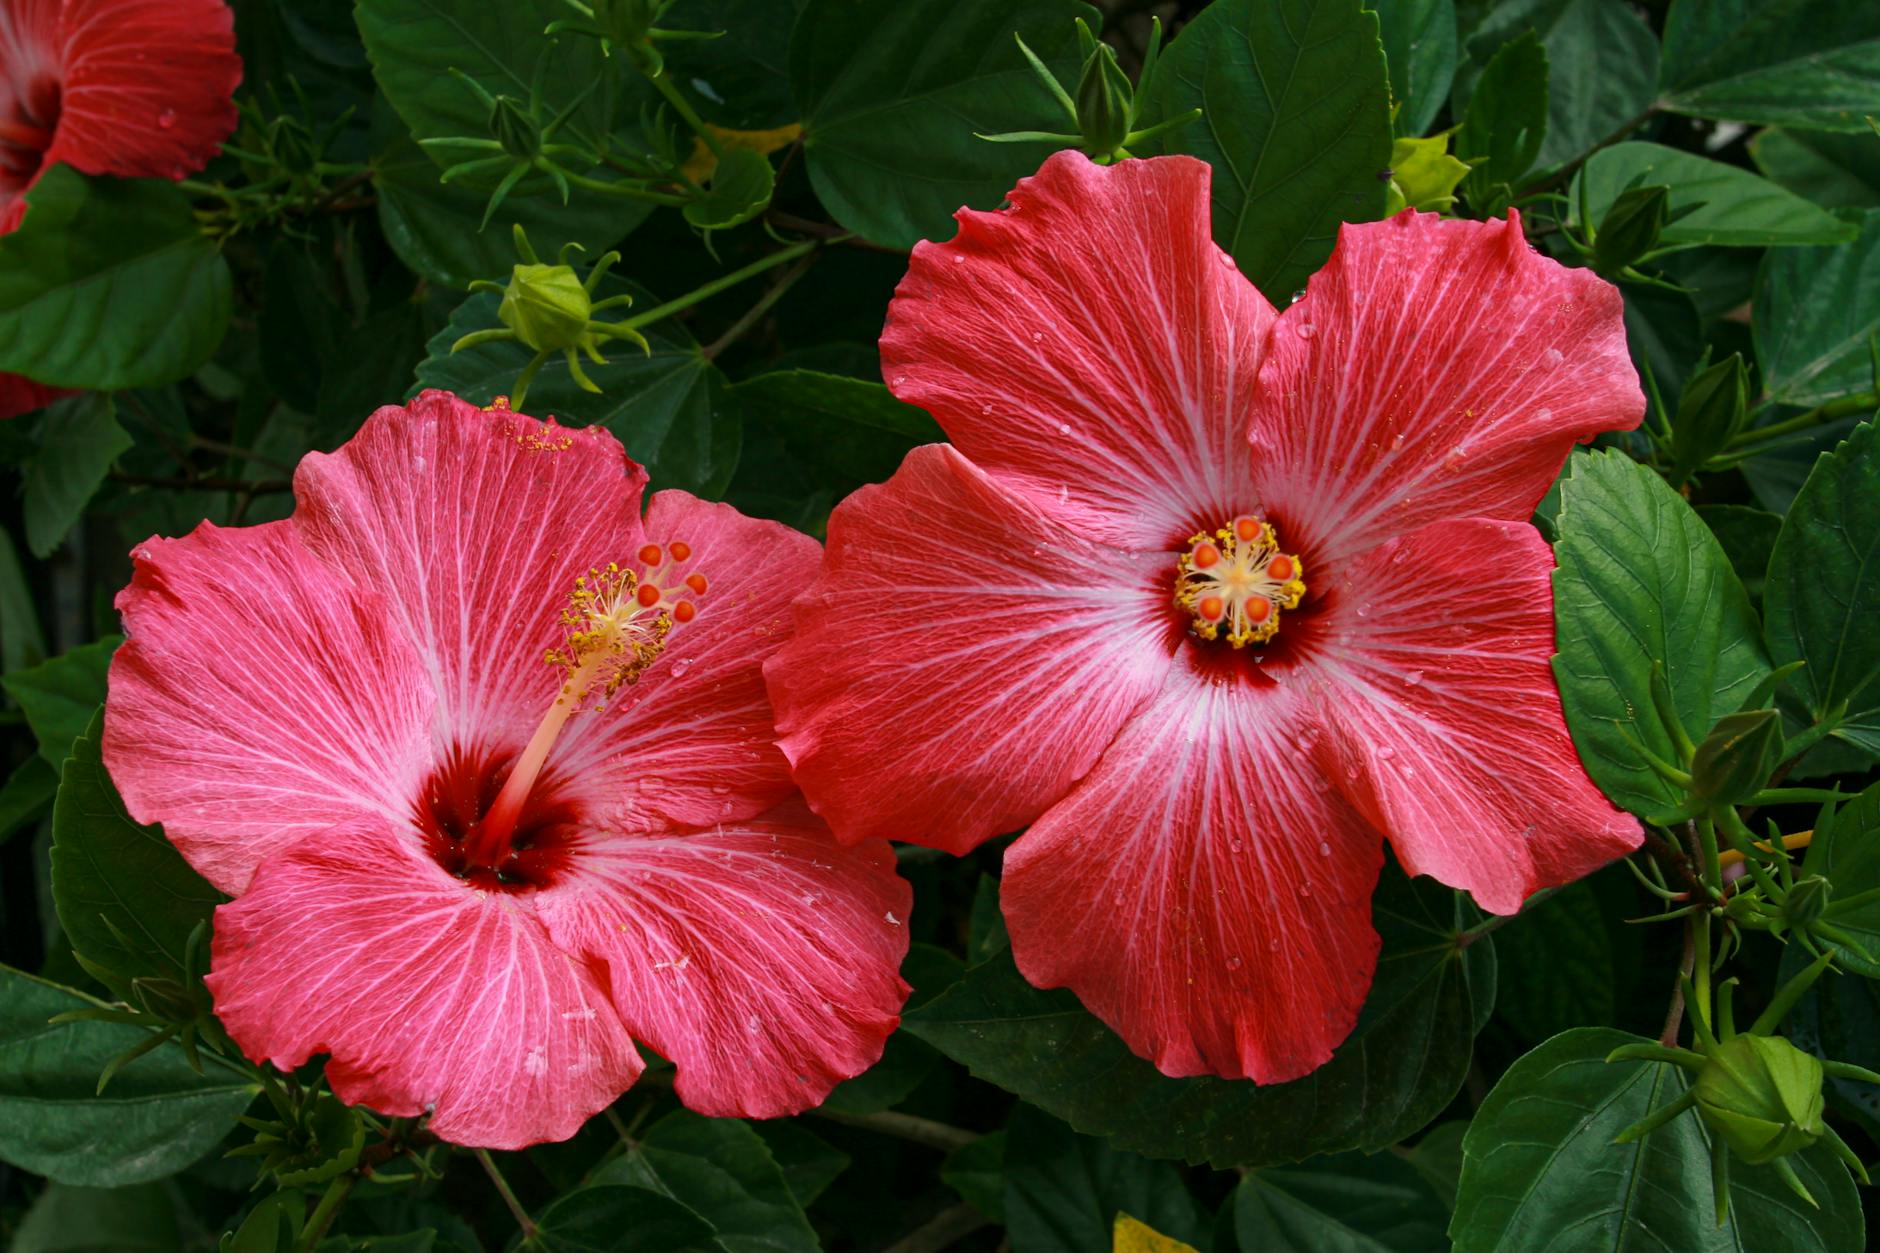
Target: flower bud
[(1735, 759), (514, 129), (1710, 411), (1806, 901), (1105, 100), (1630, 229), (546, 306), (1762, 1096)]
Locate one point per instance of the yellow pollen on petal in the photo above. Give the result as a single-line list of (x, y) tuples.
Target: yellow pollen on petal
[(1235, 581)]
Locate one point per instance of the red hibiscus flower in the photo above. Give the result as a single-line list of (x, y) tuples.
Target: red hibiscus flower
[(473, 877), (135, 88), (1213, 679)]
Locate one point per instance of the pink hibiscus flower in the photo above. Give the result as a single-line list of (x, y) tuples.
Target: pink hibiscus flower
[(135, 88), (1213, 679), (473, 878)]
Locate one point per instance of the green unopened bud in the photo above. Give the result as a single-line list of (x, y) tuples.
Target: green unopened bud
[(1762, 1096), (1105, 101), (293, 145), (514, 129), (1735, 759), (1806, 901), (165, 999), (1710, 411), (1630, 229), (546, 306), (627, 21)]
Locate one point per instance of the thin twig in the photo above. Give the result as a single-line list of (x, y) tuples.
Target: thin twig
[(751, 316), (523, 1221), (923, 1131), (942, 1231), (1674, 1016)]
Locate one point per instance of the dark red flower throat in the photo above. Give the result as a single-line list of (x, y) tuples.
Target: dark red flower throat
[(453, 803), (28, 124)]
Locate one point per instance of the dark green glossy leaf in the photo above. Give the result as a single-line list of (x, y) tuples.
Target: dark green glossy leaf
[(1805, 63), (1556, 966), (1815, 312), (1834, 171), (109, 283), (1823, 596), (1350, 1203), (1540, 1168), (620, 1219), (68, 1219), (79, 438), (670, 409), (740, 80), (1666, 334), (977, 1172), (28, 793), (126, 897), (808, 1162), (1505, 126), (720, 1170), (906, 1061), (1063, 1191), (1839, 1019), (1748, 536), (1730, 205), (1641, 579), (891, 96), (1296, 123), (1848, 853), (61, 696), (1421, 49), (157, 1116), (849, 432), (22, 644), (1402, 1064)]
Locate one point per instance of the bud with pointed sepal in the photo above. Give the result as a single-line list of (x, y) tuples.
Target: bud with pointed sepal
[(1735, 759), (1630, 229)]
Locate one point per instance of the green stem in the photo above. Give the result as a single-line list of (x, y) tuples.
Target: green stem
[(324, 1213), (622, 189), (771, 262), (751, 316), (665, 88), (1857, 403), (925, 1131), (1496, 922), (523, 1222)]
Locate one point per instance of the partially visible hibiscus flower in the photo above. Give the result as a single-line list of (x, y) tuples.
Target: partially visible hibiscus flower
[(1213, 679), (134, 88), (486, 760)]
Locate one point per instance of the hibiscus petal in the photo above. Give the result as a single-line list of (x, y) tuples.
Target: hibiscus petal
[(1204, 892), (474, 524), (1445, 717), (1435, 369), (21, 395), (693, 742), (147, 86), (762, 959), (260, 698), (428, 994), (1092, 345), (963, 658)]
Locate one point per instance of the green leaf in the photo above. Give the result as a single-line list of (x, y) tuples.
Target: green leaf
[(671, 409), (1730, 206), (1748, 537), (109, 283), (127, 899), (79, 438), (977, 1172), (720, 1170), (1350, 1203), (740, 80), (1421, 50), (1823, 596), (1296, 123), (61, 696), (1839, 1019), (1063, 1191), (845, 431), (1815, 311), (891, 96), (28, 793), (1540, 1168), (1848, 853), (68, 1219), (1834, 171), (1805, 63), (1506, 124), (808, 1162), (905, 1062), (434, 227), (157, 1116), (1640, 579), (1602, 68), (415, 44), (740, 189), (620, 1219), (1665, 333), (1556, 966), (1400, 1067), (22, 644)]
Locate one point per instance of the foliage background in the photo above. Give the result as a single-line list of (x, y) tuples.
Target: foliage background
[(264, 309)]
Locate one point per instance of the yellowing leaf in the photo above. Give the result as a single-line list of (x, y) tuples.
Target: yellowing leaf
[(1423, 174), (1131, 1235), (699, 166)]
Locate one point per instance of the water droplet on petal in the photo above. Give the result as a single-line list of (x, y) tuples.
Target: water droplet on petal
[(1412, 678), (1305, 330), (1234, 963), (166, 119), (1385, 752), (1064, 428), (1325, 848)]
